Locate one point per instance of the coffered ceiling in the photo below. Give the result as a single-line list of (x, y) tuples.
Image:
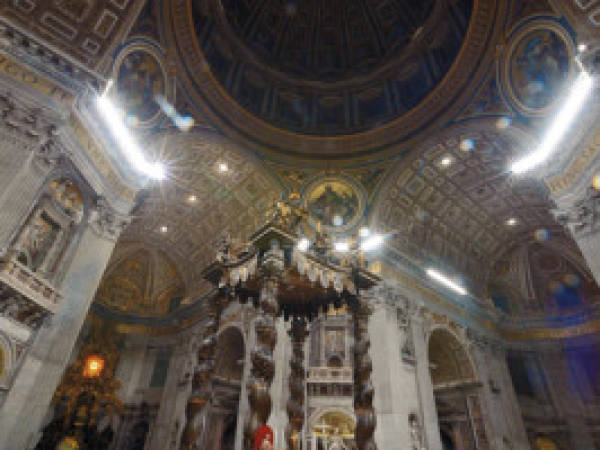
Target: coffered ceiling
[(188, 213)]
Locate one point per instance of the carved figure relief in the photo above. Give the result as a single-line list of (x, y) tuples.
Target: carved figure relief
[(51, 225)]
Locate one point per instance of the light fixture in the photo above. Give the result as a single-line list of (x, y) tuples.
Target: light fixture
[(446, 161), (511, 222), (364, 232), (164, 229), (372, 242), (582, 47), (223, 167), (337, 220), (559, 126), (192, 198), (93, 366), (303, 244), (113, 117), (466, 145), (342, 246), (433, 273)]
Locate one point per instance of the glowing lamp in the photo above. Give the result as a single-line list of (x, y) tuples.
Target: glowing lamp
[(94, 365)]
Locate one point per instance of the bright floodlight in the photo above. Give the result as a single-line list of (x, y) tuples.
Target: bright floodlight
[(446, 281), (559, 126), (303, 244), (364, 232), (342, 246), (114, 119), (371, 243)]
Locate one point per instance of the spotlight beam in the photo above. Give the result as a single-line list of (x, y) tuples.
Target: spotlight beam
[(113, 119), (442, 279), (558, 128)]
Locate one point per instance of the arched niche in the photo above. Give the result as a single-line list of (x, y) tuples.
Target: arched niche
[(41, 244), (332, 428), (545, 443), (449, 362), (456, 392)]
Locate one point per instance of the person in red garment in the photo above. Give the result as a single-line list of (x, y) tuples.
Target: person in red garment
[(263, 438)]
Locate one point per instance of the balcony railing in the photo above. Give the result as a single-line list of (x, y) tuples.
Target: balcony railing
[(29, 284), (330, 375)]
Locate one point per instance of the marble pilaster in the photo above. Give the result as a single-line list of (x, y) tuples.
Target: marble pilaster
[(566, 401), (503, 417), (431, 429), (394, 381), (30, 395)]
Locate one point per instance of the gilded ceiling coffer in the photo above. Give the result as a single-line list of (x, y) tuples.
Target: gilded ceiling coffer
[(283, 278)]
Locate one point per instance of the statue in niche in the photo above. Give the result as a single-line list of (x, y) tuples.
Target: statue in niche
[(36, 241), (416, 437), (336, 441), (68, 198)]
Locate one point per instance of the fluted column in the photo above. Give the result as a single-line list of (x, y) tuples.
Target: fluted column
[(202, 377), (263, 366), (295, 405), (363, 387)]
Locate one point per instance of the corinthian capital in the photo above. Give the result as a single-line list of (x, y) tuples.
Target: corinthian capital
[(105, 221), (583, 218)]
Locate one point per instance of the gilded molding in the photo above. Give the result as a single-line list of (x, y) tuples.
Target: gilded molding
[(567, 178)]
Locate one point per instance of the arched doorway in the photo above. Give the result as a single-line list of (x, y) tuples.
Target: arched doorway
[(332, 430), (227, 380), (456, 393)]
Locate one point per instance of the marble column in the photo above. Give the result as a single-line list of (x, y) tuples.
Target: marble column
[(243, 405), (394, 380), (29, 397), (278, 418), (431, 428)]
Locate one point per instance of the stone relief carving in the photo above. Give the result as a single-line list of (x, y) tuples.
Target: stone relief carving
[(583, 217), (19, 308), (29, 123), (416, 432), (106, 221)]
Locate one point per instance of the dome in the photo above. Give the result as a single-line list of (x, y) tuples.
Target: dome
[(316, 41), (294, 76)]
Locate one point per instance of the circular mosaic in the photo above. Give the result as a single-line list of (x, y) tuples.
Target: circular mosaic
[(334, 203), (538, 66), (139, 81)]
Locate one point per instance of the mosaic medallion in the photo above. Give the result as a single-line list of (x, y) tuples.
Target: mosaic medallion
[(538, 66), (140, 79), (335, 203)]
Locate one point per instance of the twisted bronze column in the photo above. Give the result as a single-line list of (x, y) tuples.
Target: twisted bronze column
[(363, 387), (295, 405), (202, 377), (263, 366)]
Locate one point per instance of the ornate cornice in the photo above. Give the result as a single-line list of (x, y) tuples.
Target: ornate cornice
[(583, 218), (44, 59), (105, 221)]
